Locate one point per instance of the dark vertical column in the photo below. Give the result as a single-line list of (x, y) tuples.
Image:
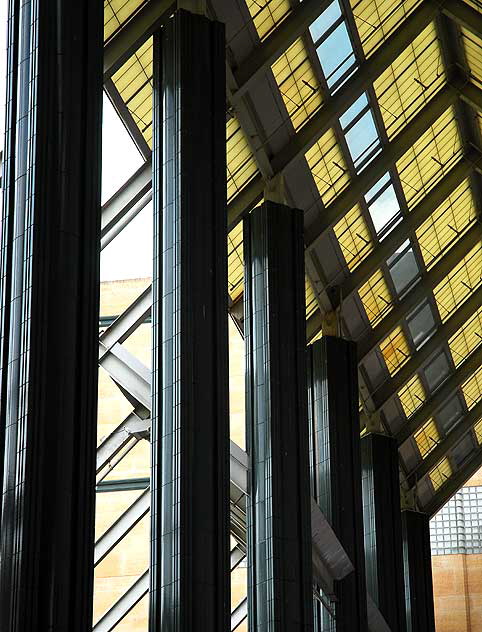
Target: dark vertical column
[(190, 424), (417, 561), (335, 464), (49, 299), (383, 528), (278, 514)]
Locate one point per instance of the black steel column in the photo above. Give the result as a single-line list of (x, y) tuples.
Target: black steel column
[(335, 465), (49, 321), (278, 515), (190, 576), (417, 560), (383, 528)]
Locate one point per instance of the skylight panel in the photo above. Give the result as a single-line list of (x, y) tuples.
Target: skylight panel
[(446, 224), (403, 267), (440, 473), (383, 206), (134, 84), (395, 350), (421, 324), (472, 389), (377, 19), (478, 431), (328, 167), (467, 338), (311, 302), (473, 53), (240, 163), (267, 14), (429, 159), (375, 297), (354, 237), (297, 83), (325, 21), (427, 438), (411, 81), (412, 396), (235, 262), (116, 13), (459, 283), (336, 55), (362, 139)]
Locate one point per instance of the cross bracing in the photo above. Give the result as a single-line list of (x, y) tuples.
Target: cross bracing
[(381, 149)]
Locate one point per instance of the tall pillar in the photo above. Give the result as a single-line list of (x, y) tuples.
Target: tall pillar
[(335, 465), (49, 301), (417, 561), (189, 585), (383, 528), (278, 513)]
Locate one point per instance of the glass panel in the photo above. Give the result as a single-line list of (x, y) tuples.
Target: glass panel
[(437, 371), (384, 210), (328, 167), (375, 296), (395, 350), (467, 339), (267, 14), (336, 54), (412, 396), (427, 438), (297, 83), (324, 21), (240, 163), (421, 324), (472, 389), (440, 473), (403, 268), (362, 140), (450, 414), (354, 237)]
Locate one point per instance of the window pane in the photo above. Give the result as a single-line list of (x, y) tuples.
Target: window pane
[(421, 325), (325, 20), (437, 371), (336, 54), (403, 269), (384, 209), (362, 138)]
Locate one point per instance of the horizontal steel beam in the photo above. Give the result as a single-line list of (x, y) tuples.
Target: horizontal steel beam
[(137, 30), (429, 281), (334, 106), (459, 431), (453, 484), (435, 402), (270, 49)]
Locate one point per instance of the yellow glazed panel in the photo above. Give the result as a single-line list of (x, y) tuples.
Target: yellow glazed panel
[(328, 167), (446, 224), (395, 350), (116, 13), (440, 473), (297, 83), (240, 163), (354, 237), (267, 14), (427, 438), (459, 283), (376, 19), (467, 339), (410, 82), (375, 296), (429, 158), (412, 396)]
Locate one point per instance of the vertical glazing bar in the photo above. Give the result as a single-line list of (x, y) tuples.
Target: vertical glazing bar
[(336, 468), (189, 580), (278, 518), (417, 561), (383, 528), (50, 266)]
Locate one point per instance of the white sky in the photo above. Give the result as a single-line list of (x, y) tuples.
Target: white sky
[(129, 255)]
